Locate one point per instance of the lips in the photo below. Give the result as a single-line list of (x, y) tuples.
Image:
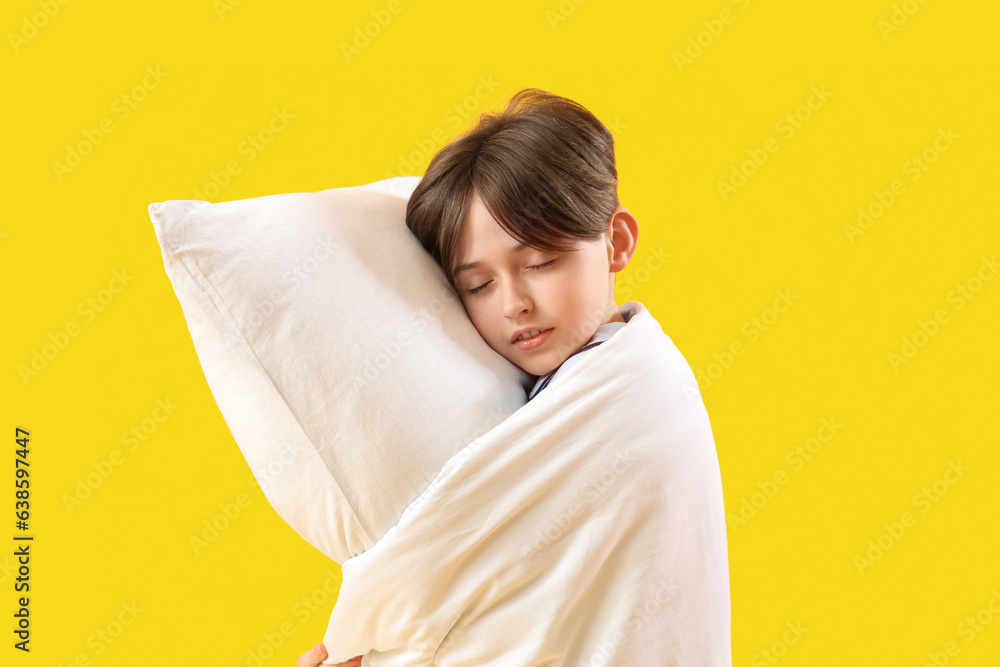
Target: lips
[(534, 342), (528, 330)]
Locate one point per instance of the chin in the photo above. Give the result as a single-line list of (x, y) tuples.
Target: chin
[(534, 369), (539, 372), (529, 370)]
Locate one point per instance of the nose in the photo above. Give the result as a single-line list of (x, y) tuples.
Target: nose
[(516, 299)]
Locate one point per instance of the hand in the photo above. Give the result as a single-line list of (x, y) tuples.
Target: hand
[(317, 654)]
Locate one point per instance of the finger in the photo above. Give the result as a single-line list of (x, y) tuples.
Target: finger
[(313, 657)]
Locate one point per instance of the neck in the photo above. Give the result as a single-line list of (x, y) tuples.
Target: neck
[(613, 314)]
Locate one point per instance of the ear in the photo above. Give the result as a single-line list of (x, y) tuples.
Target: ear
[(623, 235)]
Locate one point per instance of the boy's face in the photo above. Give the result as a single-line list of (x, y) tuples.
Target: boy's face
[(566, 295)]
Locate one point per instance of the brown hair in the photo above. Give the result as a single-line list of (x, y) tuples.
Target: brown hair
[(544, 167)]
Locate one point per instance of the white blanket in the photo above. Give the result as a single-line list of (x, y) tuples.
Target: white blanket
[(587, 529)]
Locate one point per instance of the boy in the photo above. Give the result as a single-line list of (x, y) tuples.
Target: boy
[(522, 213)]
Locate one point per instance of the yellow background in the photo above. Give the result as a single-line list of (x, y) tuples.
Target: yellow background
[(679, 131)]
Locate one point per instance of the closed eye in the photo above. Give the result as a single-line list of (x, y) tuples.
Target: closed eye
[(474, 290), (542, 266)]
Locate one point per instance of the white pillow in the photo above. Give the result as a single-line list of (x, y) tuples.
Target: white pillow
[(342, 360)]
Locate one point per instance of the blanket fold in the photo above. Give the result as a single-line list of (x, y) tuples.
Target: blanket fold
[(587, 529)]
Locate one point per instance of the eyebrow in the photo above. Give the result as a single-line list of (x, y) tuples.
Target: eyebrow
[(471, 265)]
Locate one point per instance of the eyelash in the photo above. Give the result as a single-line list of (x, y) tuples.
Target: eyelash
[(474, 290)]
